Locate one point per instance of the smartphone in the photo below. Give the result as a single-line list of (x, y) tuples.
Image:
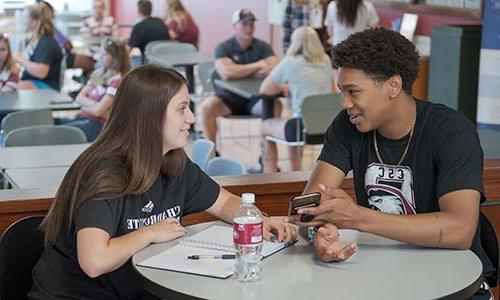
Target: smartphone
[(303, 201)]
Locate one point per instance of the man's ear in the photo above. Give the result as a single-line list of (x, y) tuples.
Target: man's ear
[(394, 85)]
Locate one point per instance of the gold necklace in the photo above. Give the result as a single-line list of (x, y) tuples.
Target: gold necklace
[(379, 157)]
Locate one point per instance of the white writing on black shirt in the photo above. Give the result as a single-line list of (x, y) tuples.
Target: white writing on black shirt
[(173, 212)]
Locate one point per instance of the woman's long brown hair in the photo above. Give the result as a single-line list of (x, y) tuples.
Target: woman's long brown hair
[(347, 11), (126, 157), (40, 13)]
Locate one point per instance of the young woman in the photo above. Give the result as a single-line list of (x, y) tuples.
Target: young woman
[(306, 70), (345, 17), (129, 189), (99, 25), (9, 74), (181, 25), (43, 55), (97, 95)]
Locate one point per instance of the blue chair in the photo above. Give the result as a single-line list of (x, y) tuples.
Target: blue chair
[(219, 166), (201, 151)]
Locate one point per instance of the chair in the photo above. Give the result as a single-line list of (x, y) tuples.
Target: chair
[(219, 166), (489, 243), (205, 71), (26, 118), (45, 135), (318, 112), (201, 152), (168, 47), (20, 248)]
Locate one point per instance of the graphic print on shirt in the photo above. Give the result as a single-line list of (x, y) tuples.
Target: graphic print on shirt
[(390, 189), (173, 212)]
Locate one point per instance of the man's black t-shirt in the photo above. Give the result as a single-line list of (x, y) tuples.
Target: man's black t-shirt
[(148, 30), (57, 275), (444, 155), (47, 51)]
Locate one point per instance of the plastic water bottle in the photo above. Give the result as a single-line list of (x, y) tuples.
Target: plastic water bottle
[(247, 235)]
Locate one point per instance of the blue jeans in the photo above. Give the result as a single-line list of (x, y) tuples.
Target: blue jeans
[(90, 127)]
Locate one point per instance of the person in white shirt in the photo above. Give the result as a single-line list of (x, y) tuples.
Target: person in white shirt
[(345, 17)]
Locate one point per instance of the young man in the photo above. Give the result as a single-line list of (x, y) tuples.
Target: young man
[(149, 29), (417, 165), (241, 56)]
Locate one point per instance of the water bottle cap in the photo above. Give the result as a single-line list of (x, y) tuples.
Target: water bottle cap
[(248, 198)]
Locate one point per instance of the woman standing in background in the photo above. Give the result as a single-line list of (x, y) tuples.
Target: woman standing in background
[(345, 17), (181, 26)]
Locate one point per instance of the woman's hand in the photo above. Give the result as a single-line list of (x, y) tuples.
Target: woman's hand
[(166, 230), (328, 246), (276, 230)]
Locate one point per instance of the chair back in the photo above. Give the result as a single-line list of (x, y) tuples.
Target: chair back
[(20, 248), (45, 135), (25, 118), (318, 111), (201, 151), (151, 45), (169, 47), (205, 71), (219, 166), (489, 242)]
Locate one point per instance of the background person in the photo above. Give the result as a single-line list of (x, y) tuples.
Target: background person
[(129, 189), (99, 25), (96, 97), (181, 25), (149, 29), (9, 73), (42, 56), (305, 71), (241, 56)]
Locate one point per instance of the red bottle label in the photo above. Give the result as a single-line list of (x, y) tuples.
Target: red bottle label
[(247, 234)]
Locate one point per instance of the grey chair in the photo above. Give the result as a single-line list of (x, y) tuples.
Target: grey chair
[(205, 72), (25, 118), (168, 47), (201, 151), (219, 166), (318, 111), (45, 135)]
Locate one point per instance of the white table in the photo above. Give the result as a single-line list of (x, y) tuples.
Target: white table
[(35, 99), (27, 178), (381, 269), (40, 156)]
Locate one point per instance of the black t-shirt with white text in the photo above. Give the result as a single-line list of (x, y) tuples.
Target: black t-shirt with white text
[(444, 155), (47, 51), (57, 275)]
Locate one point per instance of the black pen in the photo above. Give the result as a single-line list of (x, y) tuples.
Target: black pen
[(223, 256)]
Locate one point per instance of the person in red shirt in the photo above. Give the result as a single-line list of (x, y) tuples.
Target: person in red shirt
[(181, 25), (96, 97), (9, 74)]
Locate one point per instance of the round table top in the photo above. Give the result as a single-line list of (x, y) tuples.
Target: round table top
[(380, 269)]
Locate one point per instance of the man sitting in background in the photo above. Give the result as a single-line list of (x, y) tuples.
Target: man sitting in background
[(149, 29), (241, 56)]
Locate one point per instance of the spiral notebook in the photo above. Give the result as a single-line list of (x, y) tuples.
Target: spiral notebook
[(215, 240)]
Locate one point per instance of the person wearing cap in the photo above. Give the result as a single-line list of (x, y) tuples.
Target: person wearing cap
[(241, 56)]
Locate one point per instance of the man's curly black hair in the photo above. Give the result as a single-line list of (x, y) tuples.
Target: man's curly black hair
[(380, 53)]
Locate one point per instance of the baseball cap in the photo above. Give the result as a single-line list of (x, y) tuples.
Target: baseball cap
[(243, 14)]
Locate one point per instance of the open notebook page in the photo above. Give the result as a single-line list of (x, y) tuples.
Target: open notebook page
[(215, 240)]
